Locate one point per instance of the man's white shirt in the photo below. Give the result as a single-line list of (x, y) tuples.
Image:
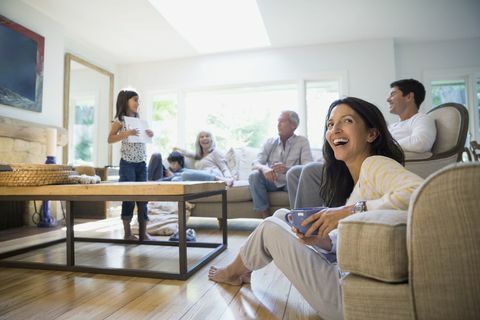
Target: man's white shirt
[(416, 134)]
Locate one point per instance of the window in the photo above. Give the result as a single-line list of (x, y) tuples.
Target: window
[(244, 116), (460, 86), (478, 102), (319, 96), (449, 91), (164, 124), (84, 128)]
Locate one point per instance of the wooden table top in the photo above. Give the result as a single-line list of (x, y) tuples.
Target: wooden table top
[(116, 188)]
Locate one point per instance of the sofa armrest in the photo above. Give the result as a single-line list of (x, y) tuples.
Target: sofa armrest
[(373, 244)]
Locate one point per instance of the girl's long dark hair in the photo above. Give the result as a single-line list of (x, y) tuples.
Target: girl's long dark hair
[(337, 182), (122, 103)]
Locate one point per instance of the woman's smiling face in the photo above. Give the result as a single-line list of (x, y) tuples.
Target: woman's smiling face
[(205, 139), (348, 135)]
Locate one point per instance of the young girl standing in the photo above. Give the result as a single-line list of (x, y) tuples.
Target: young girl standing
[(132, 162)]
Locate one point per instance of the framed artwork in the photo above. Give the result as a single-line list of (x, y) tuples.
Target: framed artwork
[(21, 64)]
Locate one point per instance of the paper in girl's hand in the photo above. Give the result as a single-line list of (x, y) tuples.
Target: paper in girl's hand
[(141, 125)]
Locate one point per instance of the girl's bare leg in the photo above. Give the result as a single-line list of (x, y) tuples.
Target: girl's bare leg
[(128, 235), (142, 231)]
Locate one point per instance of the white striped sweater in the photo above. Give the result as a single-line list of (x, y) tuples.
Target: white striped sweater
[(384, 184)]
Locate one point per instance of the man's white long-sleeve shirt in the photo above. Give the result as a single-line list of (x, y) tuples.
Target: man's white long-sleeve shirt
[(416, 134)]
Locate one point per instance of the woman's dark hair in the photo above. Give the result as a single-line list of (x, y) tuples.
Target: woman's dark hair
[(122, 103), (176, 156), (337, 182)]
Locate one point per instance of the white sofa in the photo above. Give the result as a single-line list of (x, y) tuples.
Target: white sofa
[(239, 198)]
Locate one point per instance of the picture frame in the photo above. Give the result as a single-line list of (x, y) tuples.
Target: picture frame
[(21, 61)]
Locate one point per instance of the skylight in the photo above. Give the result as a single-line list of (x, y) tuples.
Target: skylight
[(216, 25)]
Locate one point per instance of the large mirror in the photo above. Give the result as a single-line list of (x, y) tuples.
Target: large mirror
[(88, 110)]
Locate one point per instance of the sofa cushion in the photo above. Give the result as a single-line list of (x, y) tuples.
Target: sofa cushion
[(238, 193), (278, 199), (373, 244)]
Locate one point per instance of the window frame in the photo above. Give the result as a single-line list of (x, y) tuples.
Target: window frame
[(181, 93), (470, 76)]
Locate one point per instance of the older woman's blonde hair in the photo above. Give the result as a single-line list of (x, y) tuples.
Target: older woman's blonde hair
[(198, 147)]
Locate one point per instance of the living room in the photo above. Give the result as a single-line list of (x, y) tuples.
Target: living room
[(318, 51)]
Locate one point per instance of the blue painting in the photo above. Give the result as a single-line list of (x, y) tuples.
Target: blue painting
[(21, 66)]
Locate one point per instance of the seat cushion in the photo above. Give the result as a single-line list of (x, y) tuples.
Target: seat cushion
[(373, 244), (365, 298), (278, 199), (238, 193)]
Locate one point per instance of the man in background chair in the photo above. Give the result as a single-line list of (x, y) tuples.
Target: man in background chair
[(415, 132), (276, 157)]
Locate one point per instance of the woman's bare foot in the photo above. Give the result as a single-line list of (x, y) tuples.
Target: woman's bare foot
[(223, 275), (229, 182)]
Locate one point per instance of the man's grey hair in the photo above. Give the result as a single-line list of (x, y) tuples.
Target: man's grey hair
[(293, 116)]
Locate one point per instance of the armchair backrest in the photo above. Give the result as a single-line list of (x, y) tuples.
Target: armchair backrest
[(442, 243), (451, 120)]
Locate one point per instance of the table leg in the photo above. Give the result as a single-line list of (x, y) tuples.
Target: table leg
[(182, 239), (70, 235), (224, 217)]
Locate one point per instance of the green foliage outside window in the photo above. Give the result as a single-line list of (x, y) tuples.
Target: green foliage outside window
[(242, 132), (83, 149), (448, 92), (84, 115), (164, 125), (84, 122)]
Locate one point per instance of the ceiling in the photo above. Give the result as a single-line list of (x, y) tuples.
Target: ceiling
[(132, 31)]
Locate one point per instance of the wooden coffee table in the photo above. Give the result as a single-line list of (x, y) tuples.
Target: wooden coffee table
[(125, 191)]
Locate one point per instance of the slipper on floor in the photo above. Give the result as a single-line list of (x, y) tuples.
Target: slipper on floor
[(190, 235)]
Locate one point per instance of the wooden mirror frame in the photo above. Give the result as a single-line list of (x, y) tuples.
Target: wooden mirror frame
[(66, 96)]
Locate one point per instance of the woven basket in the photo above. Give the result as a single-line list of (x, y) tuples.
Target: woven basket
[(23, 174)]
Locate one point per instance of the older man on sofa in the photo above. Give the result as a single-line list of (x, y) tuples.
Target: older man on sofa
[(277, 156)]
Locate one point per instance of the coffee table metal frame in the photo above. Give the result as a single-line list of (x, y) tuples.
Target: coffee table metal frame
[(184, 271)]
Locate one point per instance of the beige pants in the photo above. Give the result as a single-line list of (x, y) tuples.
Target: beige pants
[(310, 272)]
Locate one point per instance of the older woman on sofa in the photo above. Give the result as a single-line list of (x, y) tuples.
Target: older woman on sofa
[(363, 171), (209, 164)]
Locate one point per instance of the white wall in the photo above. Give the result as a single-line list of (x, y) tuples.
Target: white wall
[(57, 43), (412, 60), (369, 66)]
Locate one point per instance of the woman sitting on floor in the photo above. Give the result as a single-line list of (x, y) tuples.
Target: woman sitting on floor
[(363, 170)]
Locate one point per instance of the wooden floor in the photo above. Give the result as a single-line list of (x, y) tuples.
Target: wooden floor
[(39, 294)]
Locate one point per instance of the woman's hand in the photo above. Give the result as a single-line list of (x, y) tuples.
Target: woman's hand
[(326, 220), (179, 150), (316, 240), (149, 133)]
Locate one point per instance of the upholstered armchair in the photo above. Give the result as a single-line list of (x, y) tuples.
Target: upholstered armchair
[(420, 264), (451, 120)]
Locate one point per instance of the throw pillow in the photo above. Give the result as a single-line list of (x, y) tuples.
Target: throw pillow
[(232, 163)]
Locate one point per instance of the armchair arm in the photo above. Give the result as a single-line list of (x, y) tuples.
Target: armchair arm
[(373, 244)]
